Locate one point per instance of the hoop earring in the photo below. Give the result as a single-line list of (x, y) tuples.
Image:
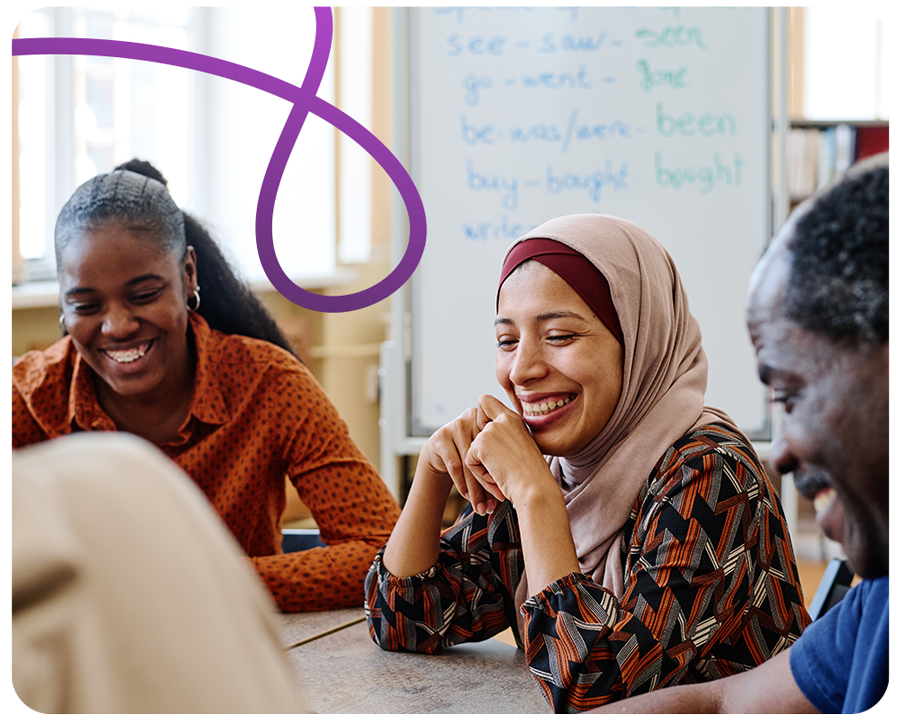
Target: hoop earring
[(197, 298), (62, 322)]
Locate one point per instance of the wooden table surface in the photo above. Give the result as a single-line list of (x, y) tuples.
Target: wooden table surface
[(341, 670), (298, 628)]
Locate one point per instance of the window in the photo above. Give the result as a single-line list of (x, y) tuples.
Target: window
[(844, 64), (211, 137), (82, 115), (356, 82)]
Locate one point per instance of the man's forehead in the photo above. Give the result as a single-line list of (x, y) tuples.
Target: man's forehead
[(769, 281)]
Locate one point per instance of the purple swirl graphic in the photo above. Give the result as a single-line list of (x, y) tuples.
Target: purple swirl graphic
[(304, 100)]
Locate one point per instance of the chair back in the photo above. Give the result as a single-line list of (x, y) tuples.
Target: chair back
[(835, 583)]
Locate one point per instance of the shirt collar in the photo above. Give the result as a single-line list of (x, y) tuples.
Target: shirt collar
[(208, 403), (84, 408)]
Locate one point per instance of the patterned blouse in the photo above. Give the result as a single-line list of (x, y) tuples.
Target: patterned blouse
[(256, 415), (711, 586)]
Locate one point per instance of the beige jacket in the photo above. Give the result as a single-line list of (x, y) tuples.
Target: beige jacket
[(128, 592)]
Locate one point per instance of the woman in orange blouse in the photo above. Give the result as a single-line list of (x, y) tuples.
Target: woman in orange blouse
[(204, 381)]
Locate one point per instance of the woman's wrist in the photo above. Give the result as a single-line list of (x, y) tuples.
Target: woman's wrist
[(432, 485), (538, 491), (547, 544), (413, 546)]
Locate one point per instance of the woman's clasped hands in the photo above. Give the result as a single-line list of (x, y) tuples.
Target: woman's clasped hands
[(490, 456)]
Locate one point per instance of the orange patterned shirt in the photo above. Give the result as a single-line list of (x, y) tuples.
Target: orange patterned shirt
[(256, 415)]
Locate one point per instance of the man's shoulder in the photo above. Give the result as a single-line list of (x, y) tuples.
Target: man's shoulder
[(864, 603), (871, 594), (840, 661)]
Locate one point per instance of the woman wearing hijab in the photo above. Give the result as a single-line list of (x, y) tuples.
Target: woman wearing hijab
[(627, 533)]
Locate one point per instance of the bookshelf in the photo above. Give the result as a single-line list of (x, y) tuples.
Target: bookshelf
[(818, 150)]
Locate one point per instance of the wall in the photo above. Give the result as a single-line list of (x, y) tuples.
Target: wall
[(17, 268), (34, 329), (350, 341)]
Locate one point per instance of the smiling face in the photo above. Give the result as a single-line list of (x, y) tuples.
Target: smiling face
[(557, 361), (834, 434), (124, 304)]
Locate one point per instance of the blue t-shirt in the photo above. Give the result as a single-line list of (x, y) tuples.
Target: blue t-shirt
[(840, 661)]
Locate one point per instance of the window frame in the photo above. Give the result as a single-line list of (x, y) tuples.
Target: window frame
[(59, 119)]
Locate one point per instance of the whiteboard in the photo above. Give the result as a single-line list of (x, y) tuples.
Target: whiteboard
[(518, 115)]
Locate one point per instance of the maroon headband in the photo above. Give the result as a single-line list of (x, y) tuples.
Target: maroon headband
[(575, 269)]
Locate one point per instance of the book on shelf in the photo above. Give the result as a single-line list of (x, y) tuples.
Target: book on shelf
[(871, 140), (803, 161), (816, 155)]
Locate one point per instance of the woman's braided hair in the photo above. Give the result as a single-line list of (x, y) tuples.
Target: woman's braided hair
[(135, 196)]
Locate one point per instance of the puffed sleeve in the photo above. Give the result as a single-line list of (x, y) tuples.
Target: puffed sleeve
[(465, 597), (711, 589)]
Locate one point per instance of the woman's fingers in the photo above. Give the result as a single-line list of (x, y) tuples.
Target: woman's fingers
[(489, 408), (481, 418), (481, 473), (504, 456), (486, 492), (470, 488), (477, 495), (448, 448), (450, 451)]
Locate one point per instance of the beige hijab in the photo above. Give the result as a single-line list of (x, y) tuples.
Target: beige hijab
[(663, 384)]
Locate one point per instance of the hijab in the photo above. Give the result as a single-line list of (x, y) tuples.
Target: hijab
[(663, 383)]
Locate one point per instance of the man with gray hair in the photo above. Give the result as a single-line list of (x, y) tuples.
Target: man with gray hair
[(818, 318)]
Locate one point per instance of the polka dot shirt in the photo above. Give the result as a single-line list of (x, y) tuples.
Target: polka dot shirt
[(256, 415)]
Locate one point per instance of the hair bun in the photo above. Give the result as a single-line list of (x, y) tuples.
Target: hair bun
[(142, 167)]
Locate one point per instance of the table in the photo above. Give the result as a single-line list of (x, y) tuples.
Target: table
[(296, 628), (341, 670)]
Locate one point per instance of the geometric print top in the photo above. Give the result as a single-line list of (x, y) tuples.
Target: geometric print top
[(710, 589)]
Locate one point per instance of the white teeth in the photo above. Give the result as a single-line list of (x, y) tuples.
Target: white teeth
[(543, 407), (823, 499), (129, 355)]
